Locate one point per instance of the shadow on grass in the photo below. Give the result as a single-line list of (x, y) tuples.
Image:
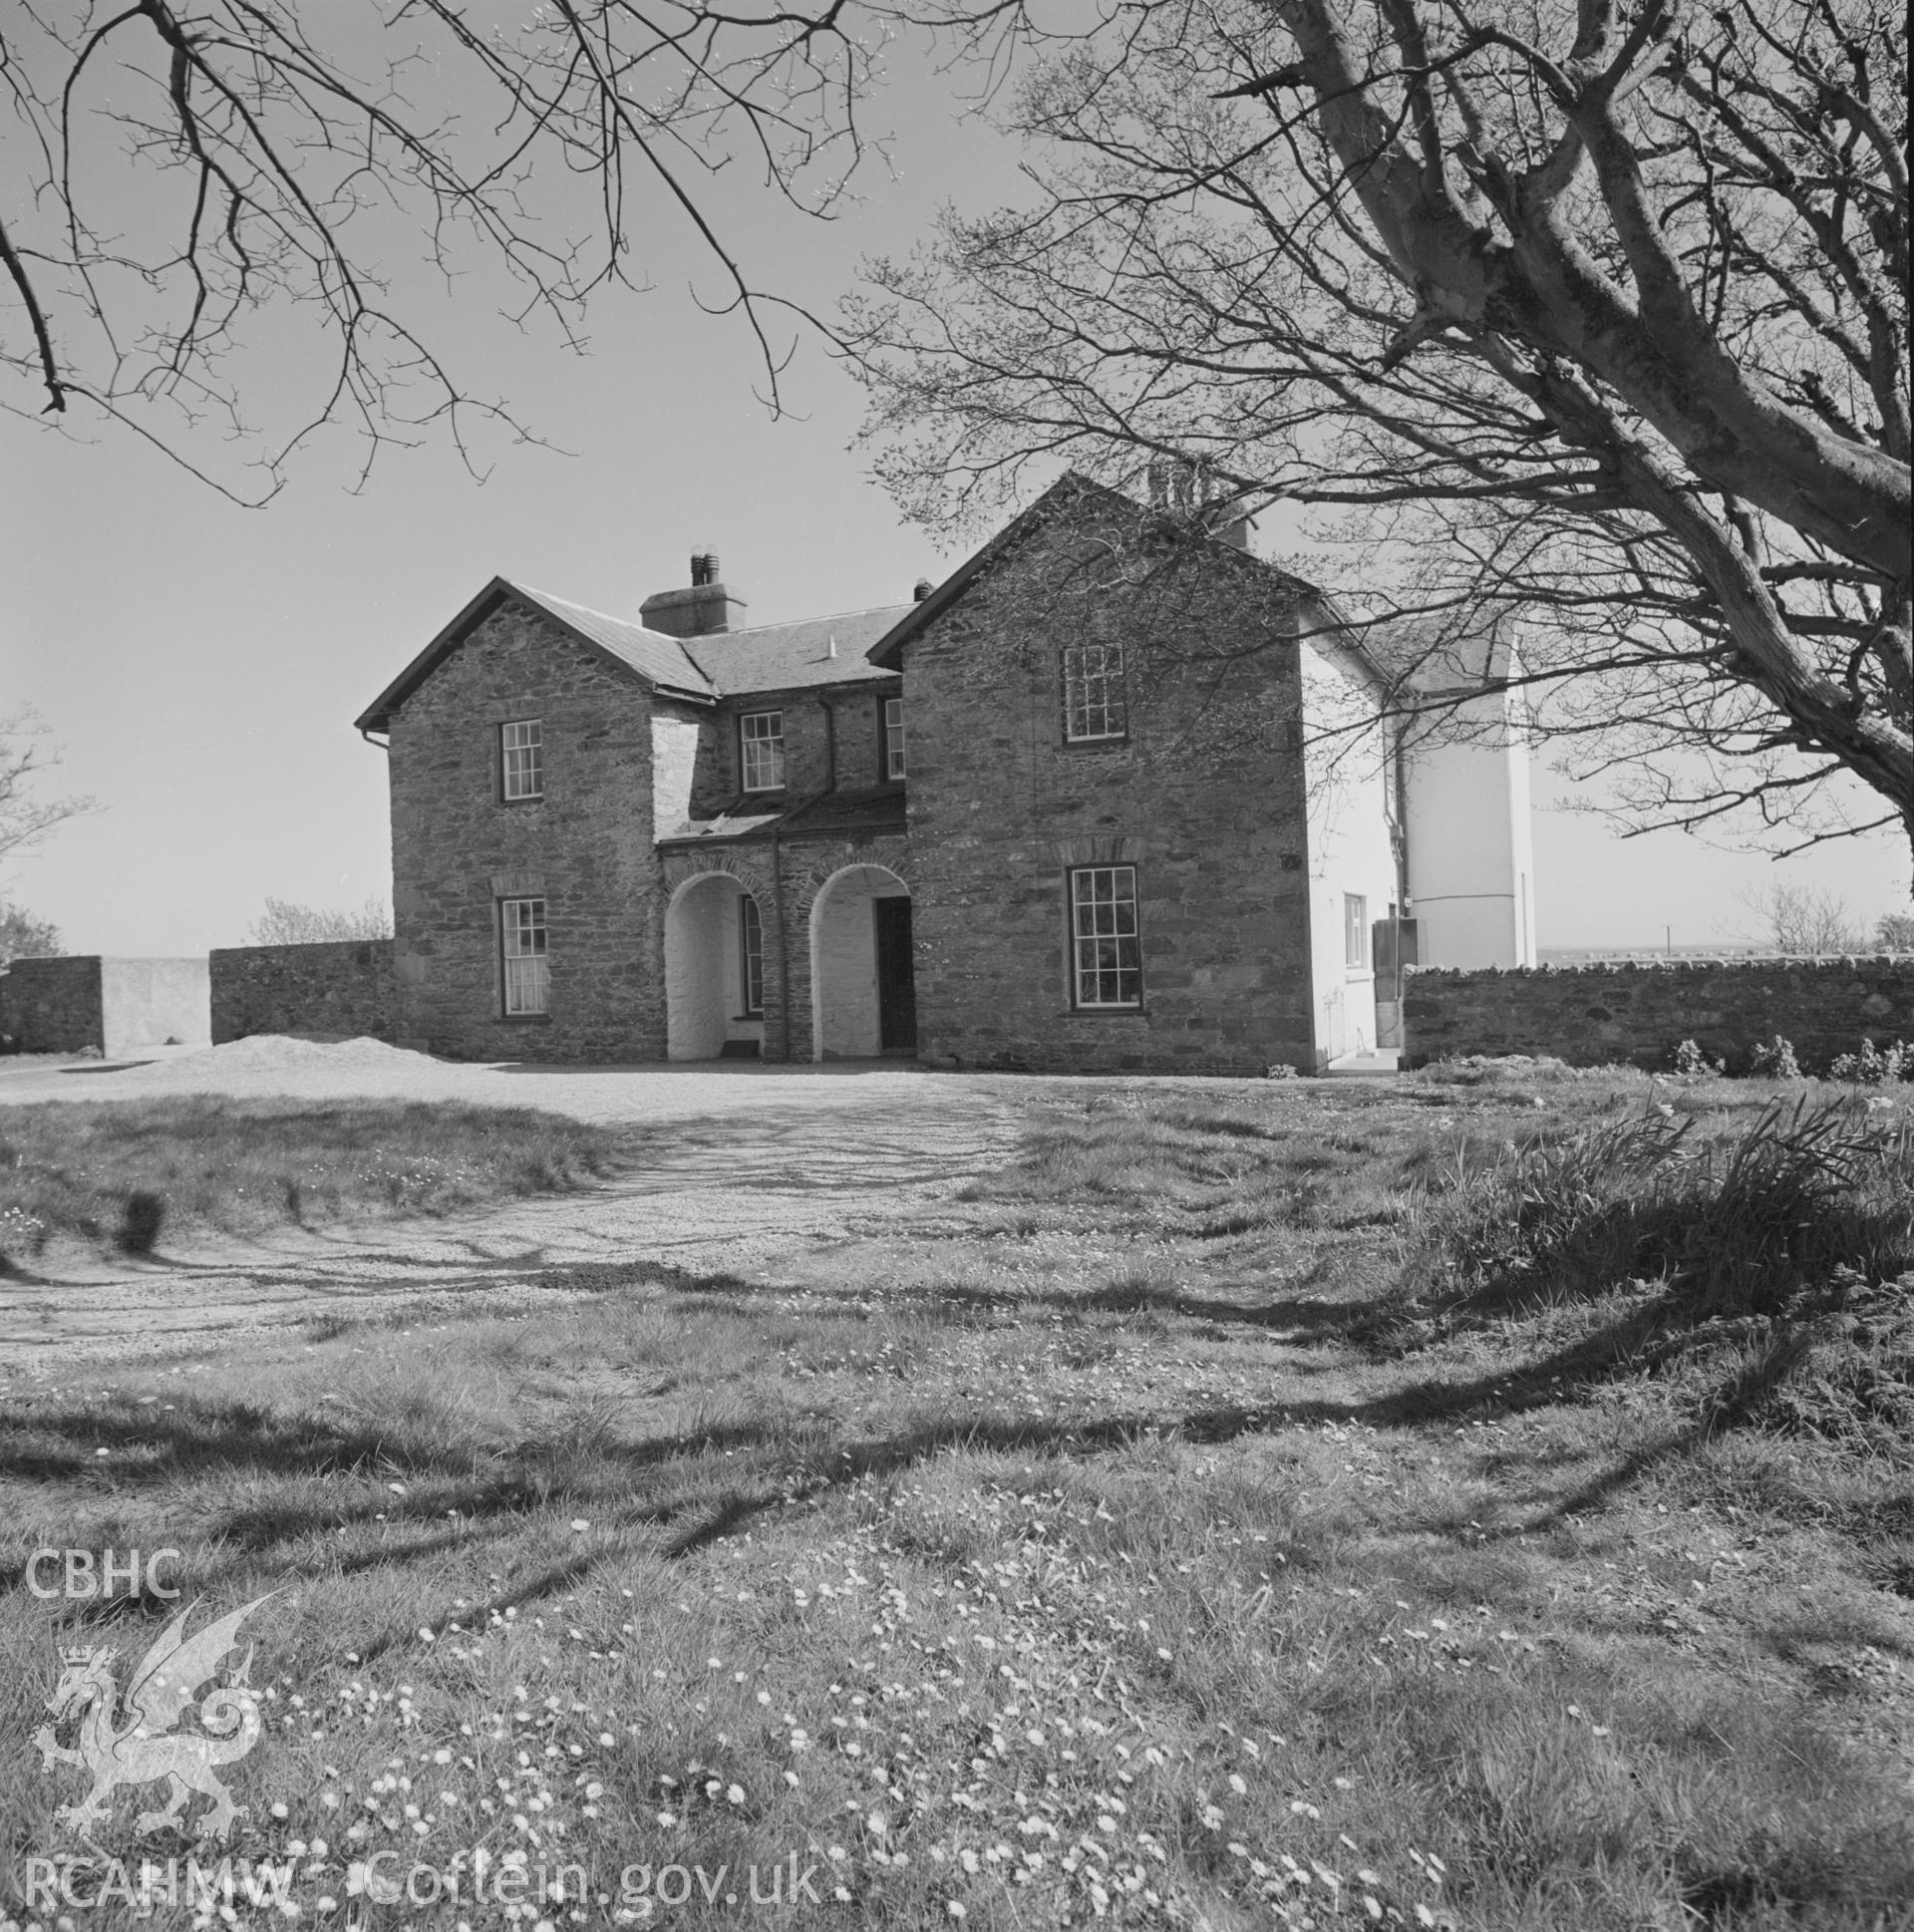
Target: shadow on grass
[(957, 1302), (237, 1440), (140, 1219)]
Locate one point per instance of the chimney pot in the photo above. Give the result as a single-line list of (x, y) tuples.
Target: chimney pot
[(920, 590)]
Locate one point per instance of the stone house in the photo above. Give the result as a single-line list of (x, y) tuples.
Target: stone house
[(1110, 796)]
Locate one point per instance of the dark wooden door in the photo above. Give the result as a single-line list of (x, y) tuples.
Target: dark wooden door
[(897, 985)]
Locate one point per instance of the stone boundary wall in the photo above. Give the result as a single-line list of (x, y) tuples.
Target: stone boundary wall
[(53, 1005), (1639, 1012), (343, 988)]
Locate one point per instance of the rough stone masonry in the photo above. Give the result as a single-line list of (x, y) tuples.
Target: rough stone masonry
[(1639, 1012)]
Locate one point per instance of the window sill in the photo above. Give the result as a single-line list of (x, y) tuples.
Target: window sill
[(1106, 1013), (1095, 744), (1358, 975), (537, 797), (522, 1020)]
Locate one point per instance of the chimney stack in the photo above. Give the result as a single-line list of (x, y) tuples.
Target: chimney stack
[(706, 609), (920, 590)]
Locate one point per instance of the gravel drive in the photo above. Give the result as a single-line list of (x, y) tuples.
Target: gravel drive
[(748, 1164)]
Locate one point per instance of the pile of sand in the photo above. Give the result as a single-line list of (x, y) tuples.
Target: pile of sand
[(283, 1053)]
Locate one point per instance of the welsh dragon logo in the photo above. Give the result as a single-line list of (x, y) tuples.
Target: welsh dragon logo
[(139, 1748)]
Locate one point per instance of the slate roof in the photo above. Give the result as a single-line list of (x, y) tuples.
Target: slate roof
[(774, 657), (832, 815), (852, 811), (727, 824), (779, 657), (658, 659)]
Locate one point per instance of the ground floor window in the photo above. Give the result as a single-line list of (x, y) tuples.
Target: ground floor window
[(751, 956), (527, 979), (1107, 963)]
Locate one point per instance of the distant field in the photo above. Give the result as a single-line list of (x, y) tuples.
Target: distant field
[(124, 1171), (1486, 1505)]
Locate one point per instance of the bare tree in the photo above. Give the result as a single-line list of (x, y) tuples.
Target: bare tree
[(192, 179), (1590, 318), (288, 924), (23, 936), (1804, 920), (24, 759)]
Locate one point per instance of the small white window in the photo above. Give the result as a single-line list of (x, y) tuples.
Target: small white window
[(1095, 705), (1108, 964), (521, 926), (522, 759), (893, 738), (1356, 932), (762, 737), (751, 956)]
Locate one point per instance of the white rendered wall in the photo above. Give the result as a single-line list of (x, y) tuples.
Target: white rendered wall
[(1350, 851), (674, 757), (147, 1002), (704, 970), (1471, 867), (843, 962)]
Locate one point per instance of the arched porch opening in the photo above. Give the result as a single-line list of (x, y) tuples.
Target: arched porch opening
[(863, 999), (715, 945)]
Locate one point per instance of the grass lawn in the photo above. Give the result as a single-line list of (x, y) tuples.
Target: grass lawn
[(1314, 1505), (120, 1172)]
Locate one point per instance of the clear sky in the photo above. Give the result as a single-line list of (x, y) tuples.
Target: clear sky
[(201, 665)]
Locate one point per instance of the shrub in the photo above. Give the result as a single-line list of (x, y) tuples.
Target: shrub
[(1690, 1061), (1776, 1058), (1871, 1068)]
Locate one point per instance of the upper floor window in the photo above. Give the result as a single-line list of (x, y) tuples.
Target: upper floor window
[(760, 738), (751, 956), (1107, 955), (1095, 705), (521, 760), (1356, 932), (893, 738), (527, 973)]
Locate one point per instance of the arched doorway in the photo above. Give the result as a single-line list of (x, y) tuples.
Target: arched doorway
[(863, 999), (713, 970)]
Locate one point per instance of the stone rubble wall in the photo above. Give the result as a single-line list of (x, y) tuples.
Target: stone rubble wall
[(53, 1005), (1638, 1012), (342, 988)]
